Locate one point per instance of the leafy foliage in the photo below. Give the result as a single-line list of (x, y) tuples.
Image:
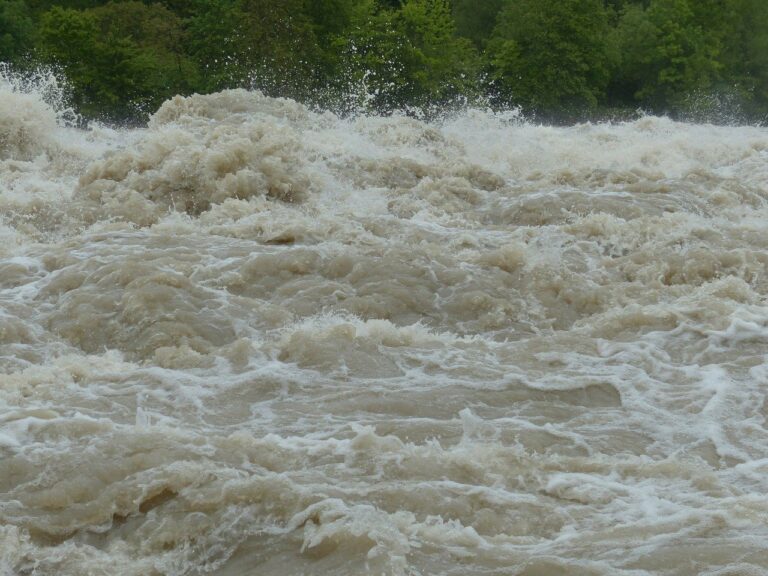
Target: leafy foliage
[(551, 55), (668, 55), (476, 20), (559, 58), (122, 58), (16, 30)]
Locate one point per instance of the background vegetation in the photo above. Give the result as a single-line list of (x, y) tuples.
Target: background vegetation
[(560, 60)]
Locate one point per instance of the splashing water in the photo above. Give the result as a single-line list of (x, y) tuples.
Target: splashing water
[(255, 339)]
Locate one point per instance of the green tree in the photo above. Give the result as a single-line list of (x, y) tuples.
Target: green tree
[(379, 60), (158, 35), (281, 47), (556, 57), (286, 48), (448, 64), (216, 41), (39, 6), (122, 60), (412, 57), (475, 20), (745, 54), (16, 30), (666, 54), (331, 18), (69, 37), (551, 56)]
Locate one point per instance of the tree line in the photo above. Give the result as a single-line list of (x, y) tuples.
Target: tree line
[(556, 59)]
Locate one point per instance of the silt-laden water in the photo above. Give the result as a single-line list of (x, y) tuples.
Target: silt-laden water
[(251, 339)]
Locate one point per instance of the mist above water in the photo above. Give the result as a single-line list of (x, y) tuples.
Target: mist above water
[(255, 339)]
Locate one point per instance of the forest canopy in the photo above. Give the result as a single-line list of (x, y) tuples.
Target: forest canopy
[(559, 60)]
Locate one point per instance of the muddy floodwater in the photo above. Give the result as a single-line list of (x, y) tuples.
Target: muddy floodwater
[(253, 339)]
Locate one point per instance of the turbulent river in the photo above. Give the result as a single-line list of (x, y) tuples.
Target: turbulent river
[(252, 339)]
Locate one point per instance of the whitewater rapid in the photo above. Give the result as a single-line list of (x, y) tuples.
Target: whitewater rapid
[(253, 339)]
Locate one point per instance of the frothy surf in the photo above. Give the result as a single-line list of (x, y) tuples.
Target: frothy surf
[(255, 339)]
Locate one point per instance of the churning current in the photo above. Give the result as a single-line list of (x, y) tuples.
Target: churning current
[(252, 339)]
